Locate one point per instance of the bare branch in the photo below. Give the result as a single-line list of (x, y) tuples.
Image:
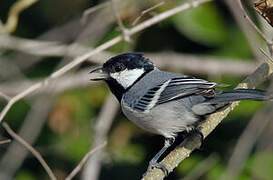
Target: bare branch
[(36, 118), (147, 11), (125, 33), (182, 62), (266, 55), (5, 141), (100, 48), (3, 95), (250, 34), (245, 143), (191, 63), (34, 47), (210, 65), (89, 11), (202, 167), (102, 126), (193, 142), (268, 42), (14, 13), (31, 149), (84, 159)]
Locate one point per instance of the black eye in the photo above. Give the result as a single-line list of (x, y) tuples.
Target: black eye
[(119, 67)]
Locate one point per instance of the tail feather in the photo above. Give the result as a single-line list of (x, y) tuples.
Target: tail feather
[(222, 98), (242, 94)]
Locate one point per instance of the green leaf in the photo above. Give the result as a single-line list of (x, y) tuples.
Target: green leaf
[(203, 24)]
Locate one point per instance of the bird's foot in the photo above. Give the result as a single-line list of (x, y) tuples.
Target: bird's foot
[(200, 134), (154, 164)]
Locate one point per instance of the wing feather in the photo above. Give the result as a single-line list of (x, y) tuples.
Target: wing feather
[(174, 88)]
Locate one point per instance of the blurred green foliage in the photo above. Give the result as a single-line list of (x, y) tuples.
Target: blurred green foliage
[(261, 165), (208, 30), (203, 24)]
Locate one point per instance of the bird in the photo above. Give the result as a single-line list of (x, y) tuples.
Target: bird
[(165, 103)]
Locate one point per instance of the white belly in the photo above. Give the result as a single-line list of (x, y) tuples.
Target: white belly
[(166, 120)]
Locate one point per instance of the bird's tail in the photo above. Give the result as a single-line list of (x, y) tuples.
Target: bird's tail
[(242, 94)]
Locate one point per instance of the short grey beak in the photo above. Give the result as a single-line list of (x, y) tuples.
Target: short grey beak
[(99, 74)]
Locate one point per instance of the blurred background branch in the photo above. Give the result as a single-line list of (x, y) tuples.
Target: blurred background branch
[(14, 13), (202, 167), (84, 160), (5, 141), (31, 149), (102, 127), (246, 142)]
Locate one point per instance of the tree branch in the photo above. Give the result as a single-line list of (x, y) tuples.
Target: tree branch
[(83, 161), (101, 129), (36, 118), (202, 167), (89, 11), (268, 42), (193, 142), (246, 142), (14, 13), (5, 141), (125, 35), (250, 34), (184, 62), (4, 96), (144, 12), (31, 149)]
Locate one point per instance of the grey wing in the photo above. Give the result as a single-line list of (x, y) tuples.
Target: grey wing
[(174, 88)]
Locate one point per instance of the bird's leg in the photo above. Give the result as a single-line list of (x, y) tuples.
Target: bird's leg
[(153, 163)]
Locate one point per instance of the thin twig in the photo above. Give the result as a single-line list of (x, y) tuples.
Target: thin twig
[(101, 129), (5, 141), (125, 34), (100, 48), (31, 149), (14, 13), (250, 34), (266, 55), (202, 168), (245, 143), (34, 47), (181, 62), (83, 161), (184, 62), (3, 95), (36, 119), (147, 11), (268, 42), (91, 10)]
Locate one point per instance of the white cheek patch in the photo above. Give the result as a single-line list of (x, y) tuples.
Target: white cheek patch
[(127, 77)]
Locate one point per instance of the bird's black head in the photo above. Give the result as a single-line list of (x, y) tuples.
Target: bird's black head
[(123, 71)]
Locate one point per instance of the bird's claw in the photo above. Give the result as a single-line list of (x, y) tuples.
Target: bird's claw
[(200, 134), (153, 165)]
